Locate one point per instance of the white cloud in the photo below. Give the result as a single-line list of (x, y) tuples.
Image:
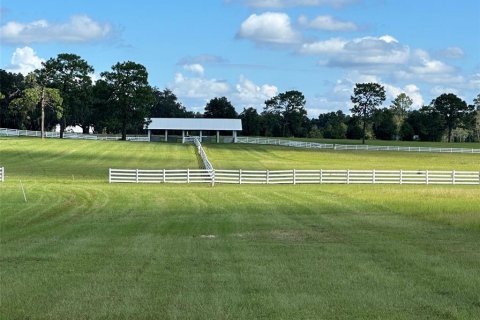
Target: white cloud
[(195, 68), (414, 93), (366, 51), (24, 60), (331, 46), (337, 96), (384, 50), (313, 112), (452, 53), (346, 86), (327, 23), (248, 92), (95, 77), (439, 90), (200, 88), (474, 81), (295, 3), (410, 90), (80, 28), (196, 91), (422, 67), (384, 56), (269, 28), (425, 65)]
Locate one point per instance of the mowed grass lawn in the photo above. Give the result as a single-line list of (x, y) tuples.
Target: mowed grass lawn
[(263, 157), (374, 142), (81, 248), (31, 158)]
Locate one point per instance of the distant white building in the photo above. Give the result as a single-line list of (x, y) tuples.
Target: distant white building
[(75, 129), (194, 124)]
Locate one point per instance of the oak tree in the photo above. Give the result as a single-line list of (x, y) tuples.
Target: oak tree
[(130, 96)]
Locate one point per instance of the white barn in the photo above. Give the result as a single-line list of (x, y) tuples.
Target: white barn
[(194, 124)]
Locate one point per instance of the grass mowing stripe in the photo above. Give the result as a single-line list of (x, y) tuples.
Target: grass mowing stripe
[(278, 259), (261, 157), (88, 249)]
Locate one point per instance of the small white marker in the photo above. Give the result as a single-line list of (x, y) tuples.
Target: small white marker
[(23, 190)]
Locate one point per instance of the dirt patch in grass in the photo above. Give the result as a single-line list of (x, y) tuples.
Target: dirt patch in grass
[(320, 235)]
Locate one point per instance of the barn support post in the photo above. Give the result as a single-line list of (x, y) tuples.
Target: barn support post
[(234, 136), (183, 136), (149, 135), (218, 136), (166, 135), (201, 133)]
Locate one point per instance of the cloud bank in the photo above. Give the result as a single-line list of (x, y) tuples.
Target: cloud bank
[(78, 29)]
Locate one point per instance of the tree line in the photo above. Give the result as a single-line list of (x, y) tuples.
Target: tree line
[(62, 92)]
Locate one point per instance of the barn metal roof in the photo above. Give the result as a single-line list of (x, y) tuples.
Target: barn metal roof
[(195, 124)]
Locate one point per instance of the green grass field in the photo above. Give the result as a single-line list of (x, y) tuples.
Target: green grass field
[(246, 156), (374, 142), (81, 248)]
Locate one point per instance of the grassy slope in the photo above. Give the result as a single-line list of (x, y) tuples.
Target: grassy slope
[(86, 249), (28, 158), (246, 156)]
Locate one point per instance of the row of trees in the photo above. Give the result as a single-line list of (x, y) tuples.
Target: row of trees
[(62, 92), (444, 114), (447, 116)]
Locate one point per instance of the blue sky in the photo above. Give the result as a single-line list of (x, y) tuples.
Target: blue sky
[(251, 50)]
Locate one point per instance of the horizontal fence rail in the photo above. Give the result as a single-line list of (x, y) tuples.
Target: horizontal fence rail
[(360, 147), (2, 174), (295, 176), (280, 142), (160, 176), (68, 135)]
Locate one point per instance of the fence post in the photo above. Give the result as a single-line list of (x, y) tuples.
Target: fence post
[(136, 175), (453, 177), (164, 179), (426, 176), (212, 176), (294, 176), (109, 175), (401, 176), (321, 176), (268, 177), (240, 176), (188, 175), (348, 176), (373, 176)]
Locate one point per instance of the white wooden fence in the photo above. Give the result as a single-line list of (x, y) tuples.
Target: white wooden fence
[(279, 142), (67, 135), (160, 176), (295, 176), (206, 163), (2, 174), (314, 145)]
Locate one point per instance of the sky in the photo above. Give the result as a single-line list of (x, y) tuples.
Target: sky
[(252, 50)]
